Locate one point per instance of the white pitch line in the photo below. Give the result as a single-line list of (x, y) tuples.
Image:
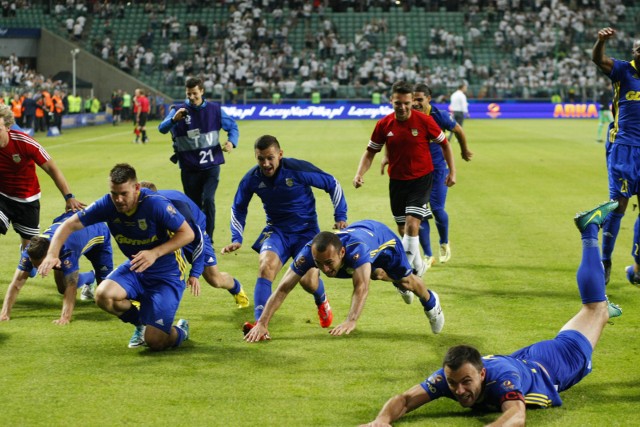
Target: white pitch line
[(87, 140)]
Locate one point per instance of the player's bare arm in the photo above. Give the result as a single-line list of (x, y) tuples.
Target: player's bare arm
[(514, 414), (598, 56), (462, 140), (361, 278), (58, 178), (231, 248), (363, 167), (448, 157), (60, 236), (19, 279), (70, 282), (287, 283), (399, 405), (145, 259)]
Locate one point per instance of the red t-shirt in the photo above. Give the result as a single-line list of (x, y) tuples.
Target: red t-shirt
[(18, 179), (143, 104), (407, 144)]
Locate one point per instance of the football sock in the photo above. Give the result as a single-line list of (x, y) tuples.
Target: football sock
[(424, 236), (86, 278), (131, 316), (442, 223), (590, 275), (411, 246), (319, 295), (610, 230), (180, 338), (260, 296), (428, 304), (144, 135), (236, 288)]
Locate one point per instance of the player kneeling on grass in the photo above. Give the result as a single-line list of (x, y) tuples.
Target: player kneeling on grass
[(534, 375), (150, 233), (93, 242), (364, 250)]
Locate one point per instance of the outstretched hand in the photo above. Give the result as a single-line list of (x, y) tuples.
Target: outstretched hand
[(343, 328), (231, 248), (257, 333)]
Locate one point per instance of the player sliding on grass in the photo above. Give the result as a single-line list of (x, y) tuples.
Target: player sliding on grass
[(534, 375), (365, 250), (284, 186)]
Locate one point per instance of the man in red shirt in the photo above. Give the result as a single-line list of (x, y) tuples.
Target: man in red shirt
[(407, 134), (141, 110), (19, 186)]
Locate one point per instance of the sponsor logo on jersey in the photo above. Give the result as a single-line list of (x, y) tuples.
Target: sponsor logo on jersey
[(160, 322), (299, 262), (508, 385), (390, 133), (171, 209), (262, 185)]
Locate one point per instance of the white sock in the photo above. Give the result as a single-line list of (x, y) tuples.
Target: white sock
[(411, 246)]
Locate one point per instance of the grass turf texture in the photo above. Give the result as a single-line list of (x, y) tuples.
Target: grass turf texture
[(510, 282)]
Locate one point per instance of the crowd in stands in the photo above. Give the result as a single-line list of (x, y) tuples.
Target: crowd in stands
[(545, 44)]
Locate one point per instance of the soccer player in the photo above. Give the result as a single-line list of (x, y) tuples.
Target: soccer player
[(141, 110), (624, 145), (407, 135), (195, 128), (94, 242), (19, 186), (284, 186), (364, 250), (150, 233), (532, 376)]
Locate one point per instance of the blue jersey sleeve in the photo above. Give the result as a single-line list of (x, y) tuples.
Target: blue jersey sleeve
[(303, 262), (25, 262), (197, 256), (436, 385), (168, 215), (231, 127), (444, 120), (357, 254), (96, 212), (617, 70), (315, 177), (166, 124), (239, 208)]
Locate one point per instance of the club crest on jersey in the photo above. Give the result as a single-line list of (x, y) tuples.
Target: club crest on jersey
[(289, 182), (142, 223), (414, 132), (16, 158), (171, 209)]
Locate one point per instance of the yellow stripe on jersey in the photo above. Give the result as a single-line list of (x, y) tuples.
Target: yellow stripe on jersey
[(382, 247), (182, 263), (616, 102), (91, 243), (537, 399)]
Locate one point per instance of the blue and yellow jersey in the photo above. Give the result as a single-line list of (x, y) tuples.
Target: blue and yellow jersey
[(78, 244), (150, 224), (507, 378), (626, 103), (446, 123), (364, 242), (287, 197)]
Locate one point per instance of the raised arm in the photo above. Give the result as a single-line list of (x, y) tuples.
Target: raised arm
[(598, 56)]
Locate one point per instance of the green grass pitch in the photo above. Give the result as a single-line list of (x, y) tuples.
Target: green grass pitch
[(510, 282)]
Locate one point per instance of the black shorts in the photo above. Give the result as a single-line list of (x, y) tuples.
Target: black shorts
[(410, 197), (142, 119), (24, 216)]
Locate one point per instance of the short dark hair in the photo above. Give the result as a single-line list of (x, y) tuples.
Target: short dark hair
[(422, 87), (193, 82), (324, 239), (266, 141), (38, 247), (460, 354), (122, 172), (148, 184), (402, 87)]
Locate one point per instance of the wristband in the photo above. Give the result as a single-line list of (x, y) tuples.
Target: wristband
[(69, 196)]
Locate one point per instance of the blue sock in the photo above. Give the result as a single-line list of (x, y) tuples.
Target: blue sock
[(636, 241), (319, 296), (610, 230), (181, 337), (425, 241), (86, 278), (442, 224), (428, 305), (590, 275), (261, 294), (236, 288), (131, 316)]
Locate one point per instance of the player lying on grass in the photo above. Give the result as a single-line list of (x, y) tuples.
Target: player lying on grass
[(534, 375), (364, 250)]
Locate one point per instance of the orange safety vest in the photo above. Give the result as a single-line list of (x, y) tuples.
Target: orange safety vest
[(57, 104), (16, 108)]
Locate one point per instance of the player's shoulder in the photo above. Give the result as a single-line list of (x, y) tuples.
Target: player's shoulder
[(298, 165)]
